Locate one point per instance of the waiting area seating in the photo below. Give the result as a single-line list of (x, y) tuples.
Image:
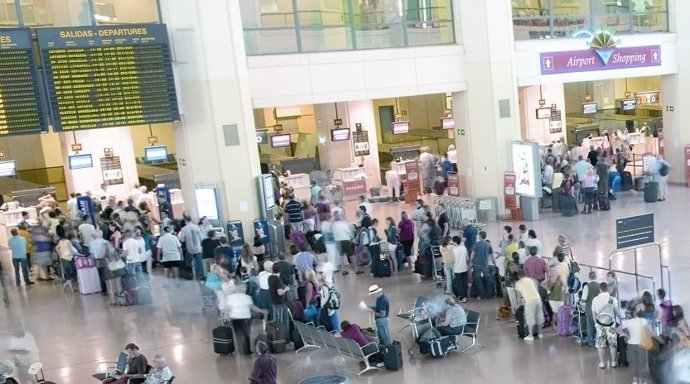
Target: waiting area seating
[(471, 329), (318, 337)]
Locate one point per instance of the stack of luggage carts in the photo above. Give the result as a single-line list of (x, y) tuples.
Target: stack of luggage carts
[(459, 209)]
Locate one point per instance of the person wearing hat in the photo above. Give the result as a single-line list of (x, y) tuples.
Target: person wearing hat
[(381, 310)]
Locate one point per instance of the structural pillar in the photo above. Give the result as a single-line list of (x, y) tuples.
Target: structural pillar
[(215, 141), (487, 113)]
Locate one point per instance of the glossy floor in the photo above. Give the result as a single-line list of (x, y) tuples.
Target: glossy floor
[(75, 332)]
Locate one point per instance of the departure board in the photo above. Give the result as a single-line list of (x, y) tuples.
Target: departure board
[(21, 109), (108, 76)]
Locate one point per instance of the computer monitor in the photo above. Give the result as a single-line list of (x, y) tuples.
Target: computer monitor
[(156, 153), (280, 141), (589, 108), (447, 123), (8, 168), (400, 127), (340, 134), (80, 161), (544, 113)]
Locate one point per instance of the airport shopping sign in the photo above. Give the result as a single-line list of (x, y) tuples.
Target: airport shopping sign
[(602, 55)]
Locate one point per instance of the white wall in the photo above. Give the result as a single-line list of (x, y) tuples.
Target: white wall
[(538, 129), (528, 68), (315, 78)]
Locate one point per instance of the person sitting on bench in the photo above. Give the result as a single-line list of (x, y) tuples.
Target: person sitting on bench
[(138, 367), (452, 320), (160, 373)]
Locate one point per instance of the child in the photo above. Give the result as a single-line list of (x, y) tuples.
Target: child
[(666, 308)]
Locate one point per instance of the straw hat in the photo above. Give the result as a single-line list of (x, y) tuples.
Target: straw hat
[(374, 289)]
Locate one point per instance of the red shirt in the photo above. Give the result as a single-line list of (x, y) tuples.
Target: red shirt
[(355, 333)]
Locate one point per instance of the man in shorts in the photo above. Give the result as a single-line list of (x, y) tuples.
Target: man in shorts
[(605, 313), (170, 249), (534, 315)]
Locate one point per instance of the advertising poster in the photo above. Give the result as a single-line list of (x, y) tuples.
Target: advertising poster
[(112, 170), (453, 184), (261, 230), (235, 237), (525, 166), (85, 207)]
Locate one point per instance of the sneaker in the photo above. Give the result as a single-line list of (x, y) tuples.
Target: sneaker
[(614, 364), (602, 365), (380, 365), (464, 300), (30, 283), (529, 338), (539, 336)]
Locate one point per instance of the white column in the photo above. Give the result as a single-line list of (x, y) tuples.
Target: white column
[(214, 91), (484, 150)]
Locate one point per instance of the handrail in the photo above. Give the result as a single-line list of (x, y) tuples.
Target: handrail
[(637, 276)]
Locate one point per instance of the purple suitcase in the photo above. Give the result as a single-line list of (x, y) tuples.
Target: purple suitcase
[(87, 275), (563, 319)]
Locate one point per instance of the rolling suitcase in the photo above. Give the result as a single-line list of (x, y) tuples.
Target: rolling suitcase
[(626, 182), (522, 328), (87, 275), (639, 184), (568, 205), (651, 192), (603, 202), (622, 351), (392, 356), (382, 268), (563, 319), (276, 337), (222, 341), (143, 295)]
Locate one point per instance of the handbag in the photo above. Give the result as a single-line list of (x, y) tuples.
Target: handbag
[(115, 265)]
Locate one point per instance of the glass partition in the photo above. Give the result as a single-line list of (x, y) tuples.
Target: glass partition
[(8, 14), (291, 26), (546, 19)]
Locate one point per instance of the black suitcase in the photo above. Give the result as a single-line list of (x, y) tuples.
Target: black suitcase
[(392, 356), (568, 206), (626, 182), (603, 202), (222, 341), (439, 186), (441, 346), (622, 351), (639, 184), (651, 192), (382, 268), (522, 328), (276, 336), (296, 339)]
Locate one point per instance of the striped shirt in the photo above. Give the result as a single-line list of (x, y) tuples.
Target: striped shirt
[(293, 209)]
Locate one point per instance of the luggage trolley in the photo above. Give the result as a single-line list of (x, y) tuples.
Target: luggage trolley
[(419, 321), (459, 209), (438, 276)]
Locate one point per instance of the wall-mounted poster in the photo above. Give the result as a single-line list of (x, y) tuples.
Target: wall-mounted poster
[(526, 168)]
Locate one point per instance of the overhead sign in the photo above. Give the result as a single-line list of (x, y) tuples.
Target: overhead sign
[(21, 109), (603, 55), (108, 76), (634, 231)]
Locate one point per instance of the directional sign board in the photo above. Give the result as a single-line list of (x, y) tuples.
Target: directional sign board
[(634, 231)]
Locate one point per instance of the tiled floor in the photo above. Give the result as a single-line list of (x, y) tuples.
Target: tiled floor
[(74, 332)]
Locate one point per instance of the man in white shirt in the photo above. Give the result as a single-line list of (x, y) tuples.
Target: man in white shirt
[(191, 236), (135, 193), (132, 249), (72, 206), (170, 250), (238, 307), (87, 232), (98, 249), (460, 263), (145, 197), (532, 241), (343, 234), (605, 313)]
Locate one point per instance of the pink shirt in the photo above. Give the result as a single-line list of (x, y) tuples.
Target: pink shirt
[(590, 181), (536, 268)]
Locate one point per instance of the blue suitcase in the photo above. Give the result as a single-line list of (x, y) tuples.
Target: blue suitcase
[(441, 346)]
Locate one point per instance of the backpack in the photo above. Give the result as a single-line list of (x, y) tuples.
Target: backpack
[(663, 170), (333, 299), (574, 283), (607, 316), (368, 236)]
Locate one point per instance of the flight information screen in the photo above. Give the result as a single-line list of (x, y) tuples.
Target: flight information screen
[(108, 76), (21, 109)]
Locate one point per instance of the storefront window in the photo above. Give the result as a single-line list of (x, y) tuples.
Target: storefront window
[(543, 19), (65, 13), (55, 13), (273, 26), (8, 14)]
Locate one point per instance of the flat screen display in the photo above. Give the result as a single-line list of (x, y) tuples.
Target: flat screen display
[(8, 168), (280, 141), (400, 127), (447, 123), (80, 161), (340, 134), (21, 109), (544, 113), (156, 153), (262, 136), (629, 104), (108, 76), (525, 161), (589, 108)]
